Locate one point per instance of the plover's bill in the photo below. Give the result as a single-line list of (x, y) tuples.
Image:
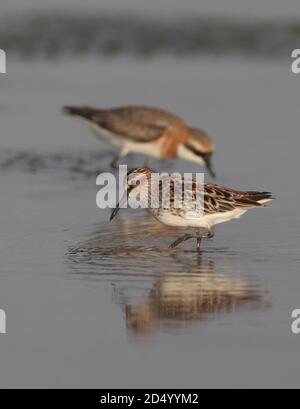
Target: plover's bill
[(219, 204), (148, 131)]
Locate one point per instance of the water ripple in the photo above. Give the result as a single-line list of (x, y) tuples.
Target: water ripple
[(162, 289), (86, 164)]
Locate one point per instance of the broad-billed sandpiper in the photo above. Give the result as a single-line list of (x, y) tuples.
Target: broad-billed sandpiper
[(219, 204), (148, 131)]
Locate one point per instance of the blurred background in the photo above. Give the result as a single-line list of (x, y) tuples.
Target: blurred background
[(237, 8), (157, 53), (140, 29), (93, 304)]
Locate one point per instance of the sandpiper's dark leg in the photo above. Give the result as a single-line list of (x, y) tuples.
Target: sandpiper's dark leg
[(198, 237), (199, 241), (208, 235), (181, 240)]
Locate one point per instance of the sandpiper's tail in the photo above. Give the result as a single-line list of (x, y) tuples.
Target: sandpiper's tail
[(84, 112), (261, 198)]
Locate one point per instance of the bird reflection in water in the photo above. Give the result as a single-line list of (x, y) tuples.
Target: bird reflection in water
[(181, 298), (159, 289)]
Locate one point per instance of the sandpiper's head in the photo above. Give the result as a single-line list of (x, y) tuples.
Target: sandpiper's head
[(137, 176), (198, 148), (138, 182), (141, 319)]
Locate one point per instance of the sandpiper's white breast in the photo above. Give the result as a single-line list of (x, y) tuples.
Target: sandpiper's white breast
[(206, 221)]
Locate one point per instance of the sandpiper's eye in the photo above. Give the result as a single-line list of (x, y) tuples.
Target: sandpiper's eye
[(130, 189)]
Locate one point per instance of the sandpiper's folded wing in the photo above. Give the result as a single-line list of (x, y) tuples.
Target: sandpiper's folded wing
[(220, 199)]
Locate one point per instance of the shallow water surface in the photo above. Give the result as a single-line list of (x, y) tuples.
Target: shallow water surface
[(93, 303), (160, 288)]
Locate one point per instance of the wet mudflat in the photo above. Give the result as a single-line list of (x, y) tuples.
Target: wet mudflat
[(91, 303)]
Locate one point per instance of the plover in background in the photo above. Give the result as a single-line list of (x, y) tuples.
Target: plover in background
[(219, 204), (148, 131)]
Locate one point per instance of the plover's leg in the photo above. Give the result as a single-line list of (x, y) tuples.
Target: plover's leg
[(122, 153), (147, 162), (181, 240), (114, 163)]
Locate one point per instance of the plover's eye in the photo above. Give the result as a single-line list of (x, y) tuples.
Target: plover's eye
[(195, 150)]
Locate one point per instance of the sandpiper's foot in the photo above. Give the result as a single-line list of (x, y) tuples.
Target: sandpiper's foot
[(209, 235), (181, 240), (198, 237)]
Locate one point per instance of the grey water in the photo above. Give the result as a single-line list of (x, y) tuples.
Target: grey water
[(91, 303)]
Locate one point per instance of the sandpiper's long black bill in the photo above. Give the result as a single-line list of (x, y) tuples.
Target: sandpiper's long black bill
[(122, 203), (114, 212)]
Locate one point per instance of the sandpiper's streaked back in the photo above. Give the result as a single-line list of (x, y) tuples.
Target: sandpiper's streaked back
[(147, 131), (220, 204)]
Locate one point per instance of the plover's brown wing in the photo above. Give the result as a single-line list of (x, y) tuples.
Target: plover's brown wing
[(218, 199), (139, 124), (146, 116)]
